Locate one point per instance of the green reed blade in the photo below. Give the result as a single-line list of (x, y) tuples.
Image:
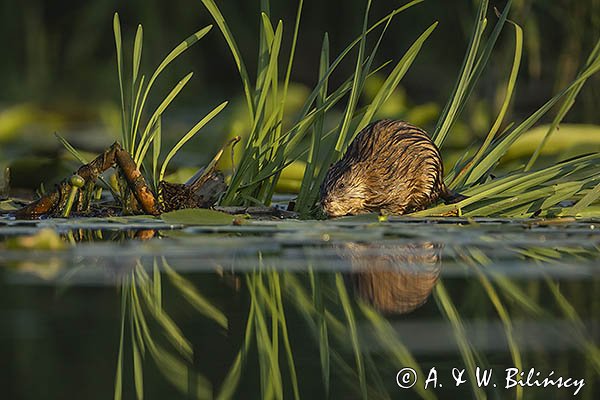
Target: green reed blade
[(393, 79), (564, 108), (357, 83), (451, 110), (145, 140), (176, 52), (235, 52), (510, 88), (190, 134), (119, 49)]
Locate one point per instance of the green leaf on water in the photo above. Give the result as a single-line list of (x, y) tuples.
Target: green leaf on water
[(197, 216)]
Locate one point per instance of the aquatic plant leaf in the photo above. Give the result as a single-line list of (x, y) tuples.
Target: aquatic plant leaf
[(197, 216)]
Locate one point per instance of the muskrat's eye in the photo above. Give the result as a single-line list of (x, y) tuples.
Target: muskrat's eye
[(342, 185)]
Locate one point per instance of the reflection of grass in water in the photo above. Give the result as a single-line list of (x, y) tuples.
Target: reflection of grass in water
[(482, 260), (530, 303), (335, 322), (141, 296), (470, 357)]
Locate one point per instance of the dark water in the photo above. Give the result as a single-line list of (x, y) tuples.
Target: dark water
[(309, 310)]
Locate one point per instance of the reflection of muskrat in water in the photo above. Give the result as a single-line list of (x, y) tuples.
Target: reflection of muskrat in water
[(390, 166), (394, 278)]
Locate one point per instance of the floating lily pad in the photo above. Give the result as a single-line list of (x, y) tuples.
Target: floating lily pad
[(197, 216)]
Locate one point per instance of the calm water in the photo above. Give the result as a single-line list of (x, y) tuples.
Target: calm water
[(309, 310)]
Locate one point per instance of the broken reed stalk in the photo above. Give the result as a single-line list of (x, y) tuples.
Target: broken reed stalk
[(53, 202)]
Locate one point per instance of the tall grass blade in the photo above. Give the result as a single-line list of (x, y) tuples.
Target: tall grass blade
[(564, 108), (137, 59), (463, 177), (235, 52), (146, 139), (119, 50), (459, 95), (156, 148), (394, 78), (356, 84), (176, 52), (500, 148), (190, 134)]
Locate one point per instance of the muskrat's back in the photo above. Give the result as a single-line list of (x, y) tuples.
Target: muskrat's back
[(390, 166)]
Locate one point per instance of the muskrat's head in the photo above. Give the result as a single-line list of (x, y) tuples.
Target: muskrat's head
[(343, 191)]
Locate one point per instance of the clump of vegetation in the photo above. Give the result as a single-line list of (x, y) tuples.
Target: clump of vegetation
[(569, 188), (270, 148)]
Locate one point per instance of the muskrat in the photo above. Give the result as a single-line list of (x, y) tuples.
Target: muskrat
[(391, 167)]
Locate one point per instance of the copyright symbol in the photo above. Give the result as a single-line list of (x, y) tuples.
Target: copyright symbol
[(406, 378)]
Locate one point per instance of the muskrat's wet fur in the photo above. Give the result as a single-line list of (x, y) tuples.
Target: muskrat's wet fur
[(392, 167)]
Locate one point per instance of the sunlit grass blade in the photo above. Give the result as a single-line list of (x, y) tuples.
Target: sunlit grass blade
[(137, 55), (137, 59), (463, 177), (235, 52), (393, 80), (459, 95), (156, 148), (583, 203), (119, 50), (317, 133), (501, 146), (71, 149), (564, 108), (190, 134), (356, 84), (146, 139), (176, 52)]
